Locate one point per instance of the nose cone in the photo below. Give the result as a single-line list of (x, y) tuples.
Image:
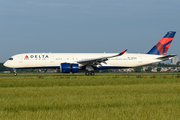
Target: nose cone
[(6, 64)]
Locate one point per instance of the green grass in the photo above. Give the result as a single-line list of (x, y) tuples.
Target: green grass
[(44, 97)]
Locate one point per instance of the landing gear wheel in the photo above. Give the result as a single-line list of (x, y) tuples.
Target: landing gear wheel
[(15, 74), (87, 73), (92, 73)]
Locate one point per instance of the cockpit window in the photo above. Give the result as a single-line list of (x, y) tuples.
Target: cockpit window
[(10, 58)]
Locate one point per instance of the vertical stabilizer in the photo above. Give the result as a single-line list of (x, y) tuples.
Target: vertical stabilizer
[(163, 45)]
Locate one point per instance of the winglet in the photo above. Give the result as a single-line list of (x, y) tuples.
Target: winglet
[(122, 52), (119, 54)]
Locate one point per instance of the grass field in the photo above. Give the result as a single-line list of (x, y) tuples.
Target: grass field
[(102, 97)]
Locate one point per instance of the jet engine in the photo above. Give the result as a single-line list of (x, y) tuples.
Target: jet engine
[(69, 67)]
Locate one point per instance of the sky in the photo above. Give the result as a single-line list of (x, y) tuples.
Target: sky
[(86, 26)]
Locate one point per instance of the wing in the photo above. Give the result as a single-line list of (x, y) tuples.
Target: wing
[(98, 61)]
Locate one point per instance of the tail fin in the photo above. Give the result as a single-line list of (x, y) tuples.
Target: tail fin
[(162, 46)]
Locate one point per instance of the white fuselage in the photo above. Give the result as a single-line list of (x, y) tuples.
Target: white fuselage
[(53, 60)]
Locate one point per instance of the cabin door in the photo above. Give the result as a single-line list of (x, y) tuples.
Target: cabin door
[(140, 59), (20, 59), (52, 59)]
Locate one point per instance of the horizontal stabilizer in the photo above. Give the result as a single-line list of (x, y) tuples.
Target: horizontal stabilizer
[(167, 57)]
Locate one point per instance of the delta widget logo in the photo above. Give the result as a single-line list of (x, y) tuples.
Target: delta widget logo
[(26, 57)]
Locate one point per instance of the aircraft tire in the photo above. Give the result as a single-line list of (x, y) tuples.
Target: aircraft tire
[(92, 73), (87, 73)]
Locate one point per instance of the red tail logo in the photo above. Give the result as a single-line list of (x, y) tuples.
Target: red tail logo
[(163, 45)]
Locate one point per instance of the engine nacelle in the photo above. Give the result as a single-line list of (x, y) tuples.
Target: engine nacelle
[(69, 67)]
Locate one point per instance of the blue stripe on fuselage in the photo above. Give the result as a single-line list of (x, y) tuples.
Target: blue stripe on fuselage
[(111, 67), (47, 67), (98, 68)]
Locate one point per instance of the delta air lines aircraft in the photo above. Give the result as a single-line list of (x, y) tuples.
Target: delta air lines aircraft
[(73, 62)]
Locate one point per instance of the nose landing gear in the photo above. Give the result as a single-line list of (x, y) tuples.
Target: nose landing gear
[(15, 73)]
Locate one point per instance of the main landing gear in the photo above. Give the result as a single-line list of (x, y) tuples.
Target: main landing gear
[(89, 73)]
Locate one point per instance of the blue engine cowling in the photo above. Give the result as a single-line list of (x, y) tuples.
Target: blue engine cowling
[(69, 67)]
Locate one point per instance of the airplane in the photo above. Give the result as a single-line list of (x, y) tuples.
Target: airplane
[(74, 62)]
